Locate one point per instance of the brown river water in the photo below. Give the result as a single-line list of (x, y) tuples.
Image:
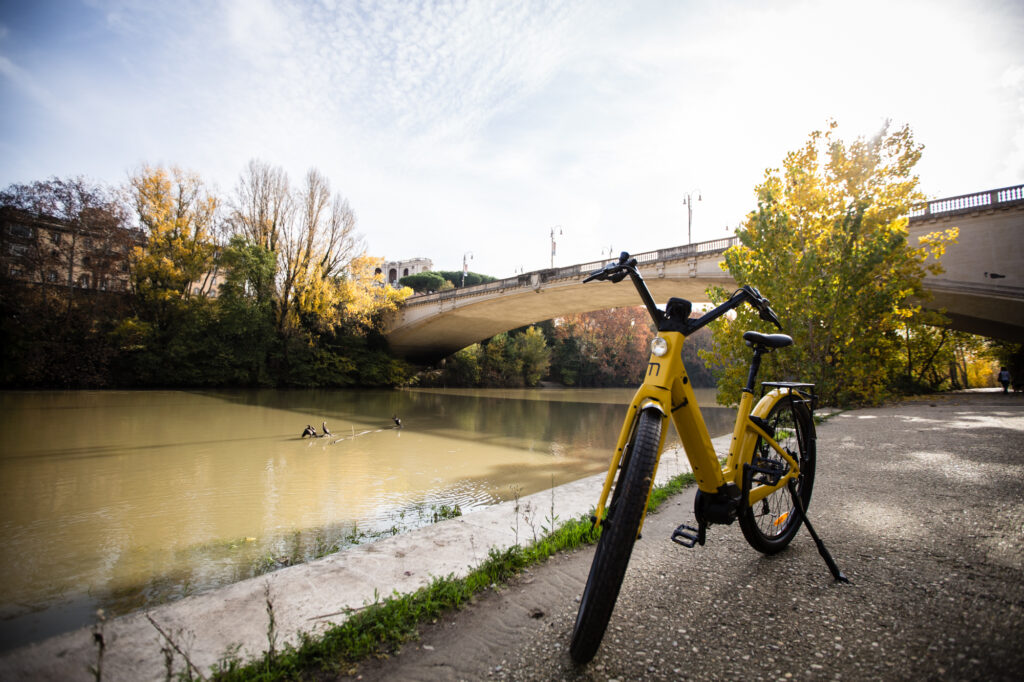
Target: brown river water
[(118, 500)]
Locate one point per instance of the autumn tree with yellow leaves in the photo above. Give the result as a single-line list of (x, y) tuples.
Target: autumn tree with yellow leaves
[(828, 245), (179, 215)]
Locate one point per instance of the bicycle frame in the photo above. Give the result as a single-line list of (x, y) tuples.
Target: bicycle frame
[(667, 389)]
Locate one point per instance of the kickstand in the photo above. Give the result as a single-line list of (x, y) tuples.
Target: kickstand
[(799, 502)]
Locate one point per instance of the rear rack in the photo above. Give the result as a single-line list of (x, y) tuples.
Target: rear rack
[(804, 391)]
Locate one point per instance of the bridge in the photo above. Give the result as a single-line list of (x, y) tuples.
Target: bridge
[(982, 289)]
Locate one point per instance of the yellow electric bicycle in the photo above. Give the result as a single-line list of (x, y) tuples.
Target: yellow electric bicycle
[(766, 480)]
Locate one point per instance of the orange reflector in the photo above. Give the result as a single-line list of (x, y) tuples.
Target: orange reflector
[(781, 520)]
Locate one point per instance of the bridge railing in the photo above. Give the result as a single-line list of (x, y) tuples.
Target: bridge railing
[(573, 271), (966, 203)]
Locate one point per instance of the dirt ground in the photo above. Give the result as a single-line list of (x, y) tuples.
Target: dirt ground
[(921, 504)]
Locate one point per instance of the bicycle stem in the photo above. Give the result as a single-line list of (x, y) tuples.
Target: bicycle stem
[(691, 326), (645, 295)]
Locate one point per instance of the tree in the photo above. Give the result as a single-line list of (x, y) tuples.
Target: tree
[(178, 213), (314, 244), (365, 296), (471, 278), (262, 206), (249, 271), (828, 246), (602, 348), (423, 282), (532, 350), (463, 367)]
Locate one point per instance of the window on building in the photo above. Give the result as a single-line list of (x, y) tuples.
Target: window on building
[(56, 238), (83, 281), (405, 272), (17, 249), (19, 230), (392, 275), (51, 276), (17, 272)]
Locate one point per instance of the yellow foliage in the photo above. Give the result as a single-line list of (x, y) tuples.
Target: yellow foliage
[(178, 214), (367, 297), (828, 245)]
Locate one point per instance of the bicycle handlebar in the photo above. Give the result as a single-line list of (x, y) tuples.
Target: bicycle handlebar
[(616, 271)]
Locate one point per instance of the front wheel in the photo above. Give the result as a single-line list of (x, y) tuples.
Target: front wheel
[(619, 532), (770, 524)]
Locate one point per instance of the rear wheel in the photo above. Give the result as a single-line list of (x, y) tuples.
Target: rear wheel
[(771, 523), (619, 531)]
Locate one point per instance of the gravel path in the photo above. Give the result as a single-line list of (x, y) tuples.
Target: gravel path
[(920, 503)]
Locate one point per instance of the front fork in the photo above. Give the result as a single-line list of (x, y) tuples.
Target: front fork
[(623, 451)]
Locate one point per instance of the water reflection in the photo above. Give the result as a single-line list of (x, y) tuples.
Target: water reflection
[(125, 499)]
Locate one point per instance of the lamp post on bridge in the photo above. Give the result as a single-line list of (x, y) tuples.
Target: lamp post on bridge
[(559, 228), (688, 203), (465, 267)]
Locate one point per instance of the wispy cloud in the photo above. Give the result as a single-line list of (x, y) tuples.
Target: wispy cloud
[(452, 125)]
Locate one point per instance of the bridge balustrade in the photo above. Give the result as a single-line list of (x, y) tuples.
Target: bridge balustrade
[(572, 271), (966, 203)]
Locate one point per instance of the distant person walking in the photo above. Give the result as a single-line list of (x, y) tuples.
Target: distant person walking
[(1004, 379)]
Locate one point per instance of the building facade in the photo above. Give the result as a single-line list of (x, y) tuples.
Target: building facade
[(92, 254), (396, 270)]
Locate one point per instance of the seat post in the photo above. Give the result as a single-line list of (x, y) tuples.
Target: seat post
[(755, 367)]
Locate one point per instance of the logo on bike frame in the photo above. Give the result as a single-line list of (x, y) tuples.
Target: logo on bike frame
[(653, 367)]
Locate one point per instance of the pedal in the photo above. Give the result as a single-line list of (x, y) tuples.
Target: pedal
[(688, 536)]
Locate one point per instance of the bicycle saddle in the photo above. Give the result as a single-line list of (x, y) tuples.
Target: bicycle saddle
[(767, 340)]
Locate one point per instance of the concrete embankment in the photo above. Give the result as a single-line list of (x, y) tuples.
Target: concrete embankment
[(307, 597)]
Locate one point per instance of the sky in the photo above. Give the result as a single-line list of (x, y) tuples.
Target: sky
[(464, 129)]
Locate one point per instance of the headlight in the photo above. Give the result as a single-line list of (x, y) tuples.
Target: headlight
[(659, 346)]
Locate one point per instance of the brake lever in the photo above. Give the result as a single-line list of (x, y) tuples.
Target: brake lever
[(768, 315)]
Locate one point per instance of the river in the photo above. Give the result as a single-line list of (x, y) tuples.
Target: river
[(118, 500)]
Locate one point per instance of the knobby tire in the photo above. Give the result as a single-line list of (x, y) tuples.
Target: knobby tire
[(619, 533)]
